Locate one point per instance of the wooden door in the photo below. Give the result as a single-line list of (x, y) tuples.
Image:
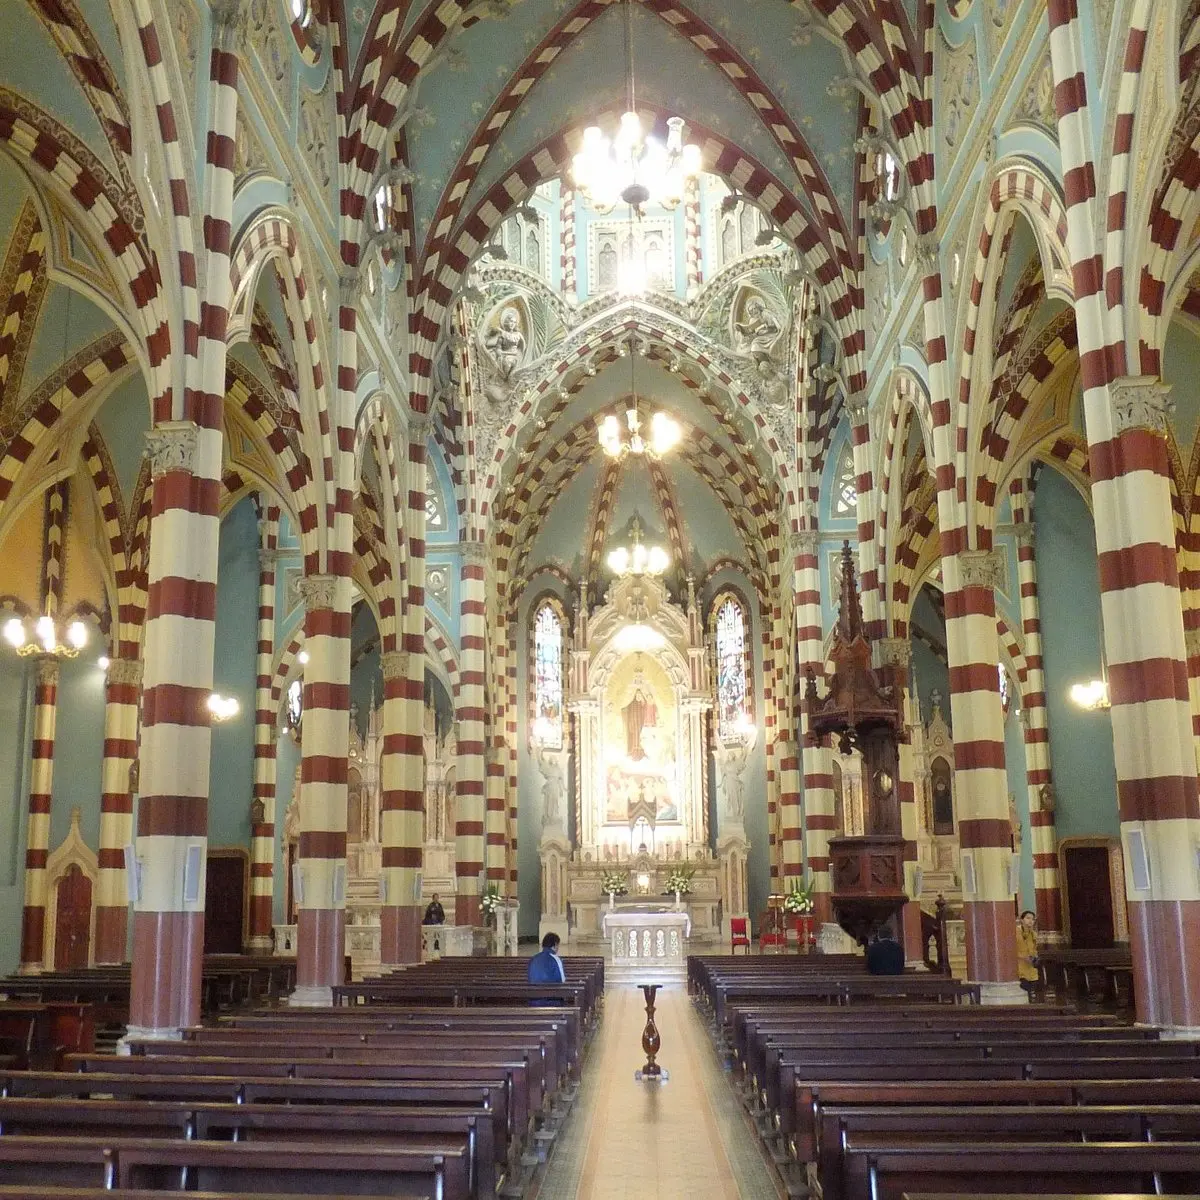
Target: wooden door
[(224, 904), (73, 920), (1089, 897)]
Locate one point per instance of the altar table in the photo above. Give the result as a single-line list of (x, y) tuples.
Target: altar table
[(647, 946)]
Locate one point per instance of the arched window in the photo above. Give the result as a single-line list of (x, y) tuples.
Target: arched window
[(547, 678), (887, 176), (733, 669), (295, 704), (845, 486)]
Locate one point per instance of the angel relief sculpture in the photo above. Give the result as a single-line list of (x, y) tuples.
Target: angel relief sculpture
[(505, 342)]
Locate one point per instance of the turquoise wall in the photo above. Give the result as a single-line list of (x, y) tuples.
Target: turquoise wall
[(287, 768), (78, 748), (1081, 750), (366, 677), (1018, 789), (231, 761)]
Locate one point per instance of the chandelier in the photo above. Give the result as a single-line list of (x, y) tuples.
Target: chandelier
[(638, 558), (1091, 696), (616, 440), (46, 637), (633, 166)]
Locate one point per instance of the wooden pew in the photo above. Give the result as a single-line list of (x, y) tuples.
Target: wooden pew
[(30, 1191)]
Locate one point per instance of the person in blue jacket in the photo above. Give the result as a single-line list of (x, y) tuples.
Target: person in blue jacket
[(547, 967)]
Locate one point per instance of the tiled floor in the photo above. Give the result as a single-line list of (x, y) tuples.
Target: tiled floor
[(685, 1140)]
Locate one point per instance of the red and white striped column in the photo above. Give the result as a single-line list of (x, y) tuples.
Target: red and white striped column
[(981, 784), (819, 814), (262, 821), (693, 237), (402, 813), (865, 509), (897, 652), (479, 834), (121, 692), (37, 844), (1127, 421), (496, 789), (1047, 899), (568, 276), (324, 765), (185, 467)]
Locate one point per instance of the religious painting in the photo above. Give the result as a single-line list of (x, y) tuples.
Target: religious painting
[(640, 744)]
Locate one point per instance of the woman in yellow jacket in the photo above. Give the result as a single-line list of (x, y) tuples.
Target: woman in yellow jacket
[(1027, 950)]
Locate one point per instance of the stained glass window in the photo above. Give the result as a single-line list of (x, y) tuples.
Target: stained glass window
[(295, 703), (548, 677), (1005, 698), (731, 669), (435, 515), (845, 486)]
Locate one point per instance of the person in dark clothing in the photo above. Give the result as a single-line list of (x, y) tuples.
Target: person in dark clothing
[(885, 955), (434, 913), (547, 967)]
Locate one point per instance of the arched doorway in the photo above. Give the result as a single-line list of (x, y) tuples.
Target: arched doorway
[(73, 920)]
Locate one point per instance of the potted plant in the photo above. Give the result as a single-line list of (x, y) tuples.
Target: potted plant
[(679, 881), (615, 883), (798, 904)]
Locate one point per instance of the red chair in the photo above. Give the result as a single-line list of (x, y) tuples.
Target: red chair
[(739, 933)]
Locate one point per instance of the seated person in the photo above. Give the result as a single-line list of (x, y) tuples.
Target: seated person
[(434, 913), (1027, 950), (885, 955), (547, 967)]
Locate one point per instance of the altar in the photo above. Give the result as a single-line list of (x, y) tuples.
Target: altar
[(647, 944)]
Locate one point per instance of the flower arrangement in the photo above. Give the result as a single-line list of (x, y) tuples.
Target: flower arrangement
[(615, 883), (489, 902), (799, 900), (680, 880)]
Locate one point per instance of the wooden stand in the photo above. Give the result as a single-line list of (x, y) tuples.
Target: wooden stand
[(651, 1042)]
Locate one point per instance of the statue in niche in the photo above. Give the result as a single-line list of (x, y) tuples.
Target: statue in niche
[(758, 331), (640, 715), (731, 783), (943, 801), (505, 342), (550, 764)]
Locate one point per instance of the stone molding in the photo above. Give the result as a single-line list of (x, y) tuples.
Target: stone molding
[(807, 542), (981, 568), (394, 664), (1024, 532), (1141, 402), (929, 250), (172, 446), (122, 671), (267, 559), (420, 426), (318, 592), (473, 553)]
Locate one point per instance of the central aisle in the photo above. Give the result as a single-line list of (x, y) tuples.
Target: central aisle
[(687, 1140)]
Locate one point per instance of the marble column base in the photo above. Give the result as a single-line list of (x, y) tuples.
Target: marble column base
[(311, 997), (1002, 993), (141, 1033)]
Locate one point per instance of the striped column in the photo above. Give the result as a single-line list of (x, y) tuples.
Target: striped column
[(408, 690), (510, 752), (787, 736), (496, 783), (1047, 898), (324, 765), (479, 832), (819, 818), (262, 823), (897, 652), (568, 279), (402, 813), (1148, 684), (865, 509), (774, 753), (981, 784), (37, 842), (172, 821), (121, 691), (692, 237)]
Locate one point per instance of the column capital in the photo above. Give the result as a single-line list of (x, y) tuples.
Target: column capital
[(807, 541), (350, 283), (981, 568), (230, 21), (420, 426), (475, 553), (894, 652), (318, 591), (856, 407), (1141, 402), (172, 446), (394, 664), (124, 671), (929, 251), (267, 558), (47, 667), (1191, 640), (1024, 532)]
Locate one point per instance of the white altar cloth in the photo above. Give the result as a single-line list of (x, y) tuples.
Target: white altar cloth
[(647, 946)]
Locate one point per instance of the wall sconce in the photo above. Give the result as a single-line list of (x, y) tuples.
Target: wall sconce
[(223, 708)]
